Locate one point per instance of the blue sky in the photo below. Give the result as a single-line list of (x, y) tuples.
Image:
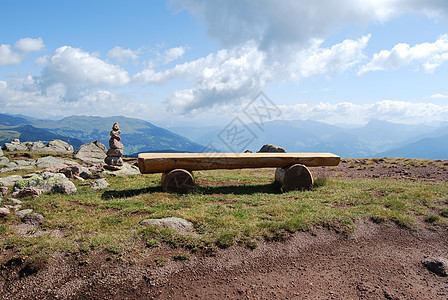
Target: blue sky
[(196, 61)]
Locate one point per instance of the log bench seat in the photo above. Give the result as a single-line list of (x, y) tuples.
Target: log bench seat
[(292, 172)]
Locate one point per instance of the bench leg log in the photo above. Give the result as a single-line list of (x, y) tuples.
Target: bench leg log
[(178, 181), (293, 178)]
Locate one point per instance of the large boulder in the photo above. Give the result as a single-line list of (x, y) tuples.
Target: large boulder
[(15, 146), (3, 160), (271, 148), (93, 152), (48, 182), (10, 180), (59, 146)]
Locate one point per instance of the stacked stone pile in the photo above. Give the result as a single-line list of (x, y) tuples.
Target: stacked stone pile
[(114, 154)]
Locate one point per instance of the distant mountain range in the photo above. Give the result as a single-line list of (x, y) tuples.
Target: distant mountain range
[(375, 139), (138, 135)]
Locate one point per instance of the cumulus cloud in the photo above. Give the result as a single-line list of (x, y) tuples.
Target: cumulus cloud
[(121, 55), (236, 74), (26, 45), (273, 23), (78, 70), (439, 96), (428, 55), (8, 56)]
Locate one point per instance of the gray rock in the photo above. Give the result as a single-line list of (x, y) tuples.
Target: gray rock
[(175, 223), (50, 161), (271, 148), (33, 219), (3, 160), (14, 146), (14, 201), (100, 184), (1, 152), (48, 182), (59, 146), (22, 213), (126, 170), (4, 212), (114, 160), (34, 146), (10, 180), (93, 152), (437, 265)]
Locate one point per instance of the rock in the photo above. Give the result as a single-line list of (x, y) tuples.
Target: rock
[(437, 265), (100, 184), (3, 160), (29, 191), (33, 219), (13, 207), (22, 213), (114, 144), (71, 171), (1, 152), (113, 161), (15, 146), (59, 146), (126, 170), (271, 148), (50, 161), (115, 152), (48, 182), (177, 224), (3, 190), (10, 180), (4, 212), (34, 146), (14, 201), (93, 152)]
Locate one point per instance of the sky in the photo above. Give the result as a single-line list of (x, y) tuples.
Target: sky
[(205, 62)]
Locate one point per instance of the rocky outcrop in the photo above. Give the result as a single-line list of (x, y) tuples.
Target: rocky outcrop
[(53, 146), (93, 152), (10, 180), (3, 160), (126, 170), (271, 148), (47, 182)]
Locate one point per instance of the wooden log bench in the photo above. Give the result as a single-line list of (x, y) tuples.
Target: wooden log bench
[(177, 168)]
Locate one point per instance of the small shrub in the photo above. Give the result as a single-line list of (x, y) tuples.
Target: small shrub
[(226, 239), (152, 244), (181, 256)]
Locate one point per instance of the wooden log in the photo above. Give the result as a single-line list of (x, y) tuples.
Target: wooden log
[(165, 162), (178, 181), (294, 178)]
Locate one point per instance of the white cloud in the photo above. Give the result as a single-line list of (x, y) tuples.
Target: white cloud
[(80, 71), (278, 23), (173, 54), (9, 57), (236, 74), (120, 54), (429, 55), (26, 45), (439, 96)]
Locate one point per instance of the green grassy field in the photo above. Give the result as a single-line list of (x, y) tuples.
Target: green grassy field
[(227, 208)]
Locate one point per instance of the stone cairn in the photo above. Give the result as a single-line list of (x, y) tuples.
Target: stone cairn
[(113, 160)]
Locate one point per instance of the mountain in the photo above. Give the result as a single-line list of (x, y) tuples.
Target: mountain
[(428, 148), (137, 135), (9, 120), (373, 139)]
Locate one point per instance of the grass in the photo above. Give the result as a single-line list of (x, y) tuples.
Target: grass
[(227, 208)]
